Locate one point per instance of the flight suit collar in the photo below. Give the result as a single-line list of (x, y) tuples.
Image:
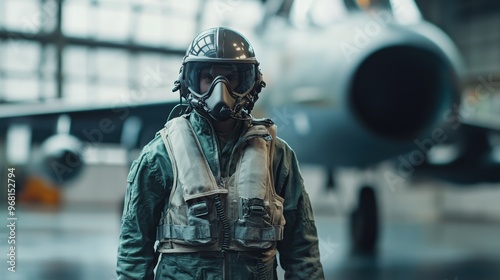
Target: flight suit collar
[(209, 142)]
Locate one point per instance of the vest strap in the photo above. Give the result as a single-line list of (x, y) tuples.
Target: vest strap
[(188, 233), (193, 170), (274, 233)]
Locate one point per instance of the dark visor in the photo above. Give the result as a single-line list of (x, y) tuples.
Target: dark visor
[(241, 76)]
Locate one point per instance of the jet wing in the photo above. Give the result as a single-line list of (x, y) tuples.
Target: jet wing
[(94, 123)]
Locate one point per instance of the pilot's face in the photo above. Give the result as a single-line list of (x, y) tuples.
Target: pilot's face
[(207, 76)]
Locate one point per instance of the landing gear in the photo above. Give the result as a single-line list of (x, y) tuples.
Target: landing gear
[(330, 179), (364, 222)]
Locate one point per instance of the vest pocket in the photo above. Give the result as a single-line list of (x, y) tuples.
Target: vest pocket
[(254, 228), (197, 226)]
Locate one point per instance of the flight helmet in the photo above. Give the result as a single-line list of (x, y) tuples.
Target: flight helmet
[(220, 74)]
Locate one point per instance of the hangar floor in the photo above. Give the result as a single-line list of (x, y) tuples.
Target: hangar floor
[(79, 243)]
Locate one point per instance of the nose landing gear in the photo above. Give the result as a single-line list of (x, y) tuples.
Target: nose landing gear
[(364, 222)]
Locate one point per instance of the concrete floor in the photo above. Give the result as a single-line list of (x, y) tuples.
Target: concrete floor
[(80, 244), (416, 243)]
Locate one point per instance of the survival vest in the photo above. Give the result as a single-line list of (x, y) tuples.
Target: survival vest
[(241, 212)]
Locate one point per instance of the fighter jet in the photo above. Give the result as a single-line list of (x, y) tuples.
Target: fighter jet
[(358, 83)]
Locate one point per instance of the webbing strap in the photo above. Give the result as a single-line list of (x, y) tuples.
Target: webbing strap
[(197, 232), (274, 233)]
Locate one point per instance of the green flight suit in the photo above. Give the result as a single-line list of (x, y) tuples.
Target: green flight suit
[(149, 184)]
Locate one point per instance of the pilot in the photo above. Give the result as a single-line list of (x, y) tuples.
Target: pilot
[(216, 194)]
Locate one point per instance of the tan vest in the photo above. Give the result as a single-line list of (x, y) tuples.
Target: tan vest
[(241, 212)]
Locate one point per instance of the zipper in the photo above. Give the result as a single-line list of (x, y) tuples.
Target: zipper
[(226, 271)]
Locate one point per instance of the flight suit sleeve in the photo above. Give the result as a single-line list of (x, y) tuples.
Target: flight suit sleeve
[(144, 201), (299, 249)]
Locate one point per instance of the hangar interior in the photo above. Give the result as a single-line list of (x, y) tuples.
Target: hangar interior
[(117, 54)]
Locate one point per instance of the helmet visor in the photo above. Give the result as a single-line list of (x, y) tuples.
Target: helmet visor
[(241, 76)]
